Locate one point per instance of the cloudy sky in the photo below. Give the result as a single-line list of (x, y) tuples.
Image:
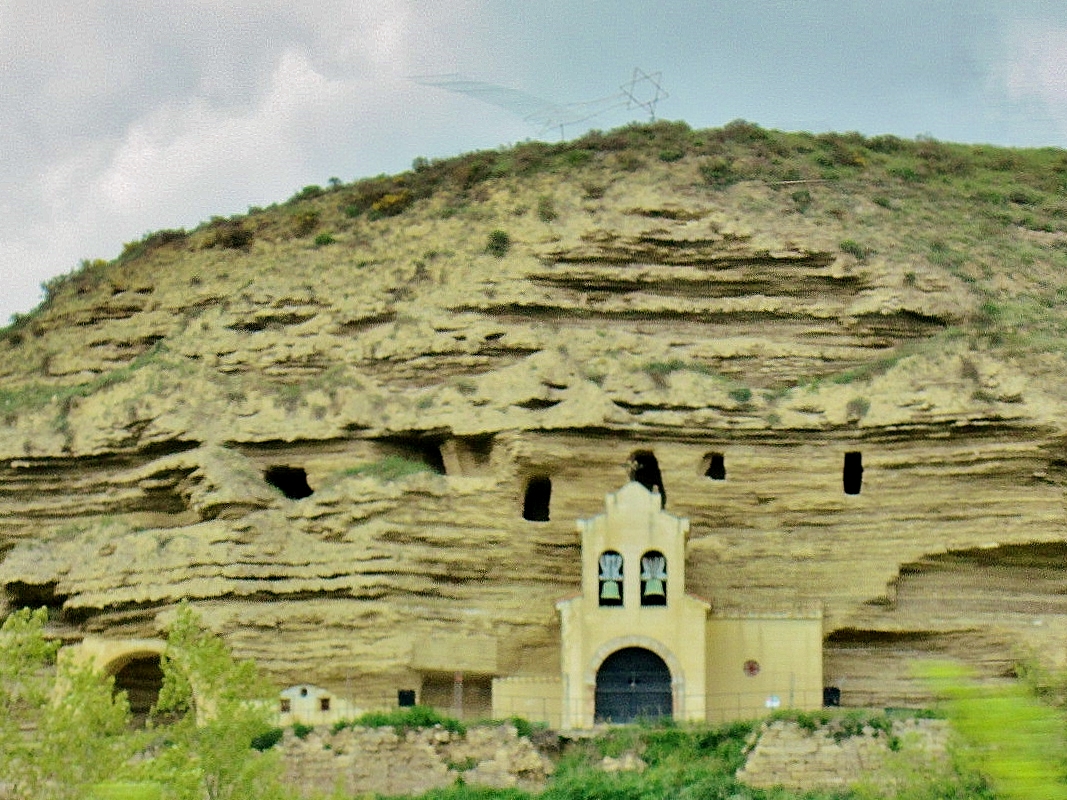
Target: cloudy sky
[(118, 117)]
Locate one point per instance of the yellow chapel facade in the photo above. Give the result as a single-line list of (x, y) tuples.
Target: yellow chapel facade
[(634, 645)]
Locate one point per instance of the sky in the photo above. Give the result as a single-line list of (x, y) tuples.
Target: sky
[(120, 117)]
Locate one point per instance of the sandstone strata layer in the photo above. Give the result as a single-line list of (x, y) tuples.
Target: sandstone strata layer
[(145, 408)]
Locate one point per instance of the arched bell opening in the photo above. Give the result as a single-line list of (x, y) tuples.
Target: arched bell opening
[(645, 470), (141, 677), (653, 579), (609, 579), (633, 684)]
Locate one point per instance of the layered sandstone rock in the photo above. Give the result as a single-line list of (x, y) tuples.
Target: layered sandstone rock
[(148, 408)]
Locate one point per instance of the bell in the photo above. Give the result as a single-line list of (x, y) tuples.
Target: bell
[(654, 588), (609, 590)]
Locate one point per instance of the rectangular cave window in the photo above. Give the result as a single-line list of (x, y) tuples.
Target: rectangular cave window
[(852, 474), (285, 706), (405, 698), (536, 501), (715, 466), (324, 704)]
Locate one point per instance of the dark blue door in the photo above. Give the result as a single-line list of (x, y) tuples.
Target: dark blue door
[(633, 683)]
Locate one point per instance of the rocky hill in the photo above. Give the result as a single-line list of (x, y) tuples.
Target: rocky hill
[(347, 423)]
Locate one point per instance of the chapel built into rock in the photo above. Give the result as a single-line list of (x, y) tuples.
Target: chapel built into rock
[(804, 395)]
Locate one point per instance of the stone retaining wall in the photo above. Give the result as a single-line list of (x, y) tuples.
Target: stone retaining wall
[(790, 756), (385, 761)]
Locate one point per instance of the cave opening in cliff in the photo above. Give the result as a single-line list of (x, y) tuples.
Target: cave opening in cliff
[(645, 470), (535, 504), (715, 466), (35, 595), (141, 678), (290, 481), (852, 474), (418, 448)]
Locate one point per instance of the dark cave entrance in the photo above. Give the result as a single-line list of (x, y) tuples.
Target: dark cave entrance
[(645, 470), (715, 466), (141, 678), (852, 474), (535, 504), (290, 481)]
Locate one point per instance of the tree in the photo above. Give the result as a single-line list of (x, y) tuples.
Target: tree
[(219, 706), (62, 726)]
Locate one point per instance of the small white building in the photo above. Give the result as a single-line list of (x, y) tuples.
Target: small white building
[(313, 705)]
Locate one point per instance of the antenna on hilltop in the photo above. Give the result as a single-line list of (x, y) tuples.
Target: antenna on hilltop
[(643, 90), (639, 87)]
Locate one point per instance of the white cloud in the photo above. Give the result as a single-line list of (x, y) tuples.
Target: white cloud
[(194, 149), (1037, 69)]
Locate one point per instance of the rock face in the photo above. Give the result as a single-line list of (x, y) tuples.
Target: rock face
[(363, 459)]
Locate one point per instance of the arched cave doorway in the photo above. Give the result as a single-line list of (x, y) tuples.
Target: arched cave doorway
[(645, 470), (631, 684), (141, 677)]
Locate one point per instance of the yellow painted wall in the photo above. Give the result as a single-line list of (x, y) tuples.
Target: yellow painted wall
[(788, 652), (535, 698)]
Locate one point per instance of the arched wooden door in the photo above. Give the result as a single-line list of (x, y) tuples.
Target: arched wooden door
[(631, 684)]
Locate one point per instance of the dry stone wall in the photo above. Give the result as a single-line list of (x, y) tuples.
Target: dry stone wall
[(386, 761), (795, 758)]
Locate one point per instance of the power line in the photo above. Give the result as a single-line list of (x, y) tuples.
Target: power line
[(643, 91)]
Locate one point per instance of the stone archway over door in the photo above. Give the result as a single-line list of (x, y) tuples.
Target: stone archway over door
[(631, 684)]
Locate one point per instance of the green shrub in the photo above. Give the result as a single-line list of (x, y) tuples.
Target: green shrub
[(593, 191), (229, 233), (302, 731), (324, 239), (267, 739), (718, 172), (307, 193), (802, 199), (127, 790), (390, 468), (857, 407), (546, 209), (854, 248), (305, 221), (404, 719), (498, 243), (391, 204), (741, 394)]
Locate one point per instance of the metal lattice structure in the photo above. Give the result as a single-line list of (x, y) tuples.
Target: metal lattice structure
[(643, 91)]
